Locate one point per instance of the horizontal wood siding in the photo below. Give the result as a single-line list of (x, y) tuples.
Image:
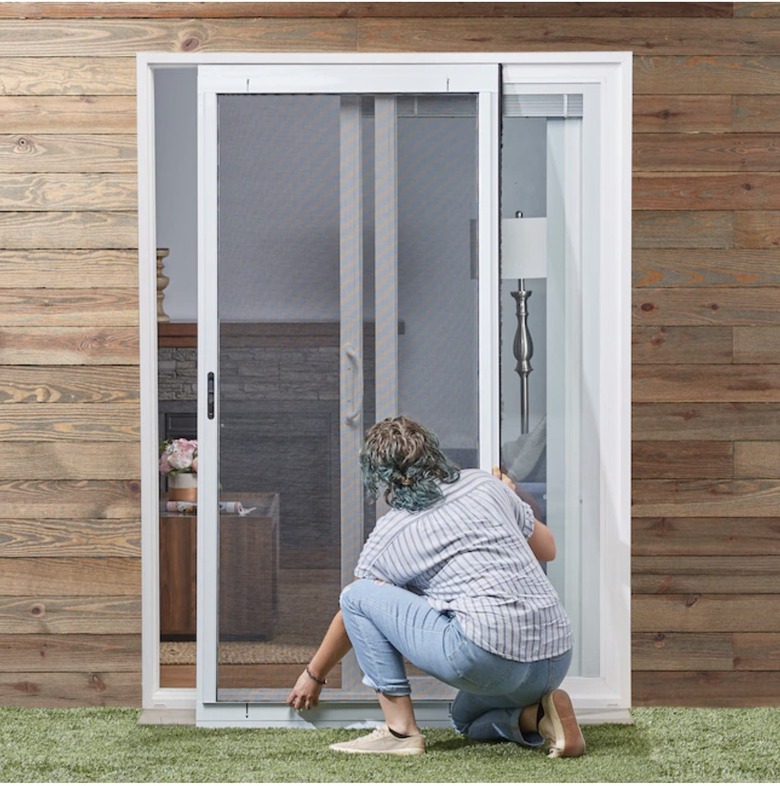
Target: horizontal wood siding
[(70, 557), (706, 374), (706, 357)]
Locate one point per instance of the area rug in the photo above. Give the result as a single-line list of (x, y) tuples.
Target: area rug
[(238, 652)]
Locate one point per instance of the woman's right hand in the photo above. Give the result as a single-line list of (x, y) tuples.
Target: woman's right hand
[(504, 478), (305, 694), (335, 645)]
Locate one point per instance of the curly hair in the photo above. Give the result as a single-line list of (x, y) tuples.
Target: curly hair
[(405, 458)]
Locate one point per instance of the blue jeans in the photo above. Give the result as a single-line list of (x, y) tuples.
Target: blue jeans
[(387, 624)]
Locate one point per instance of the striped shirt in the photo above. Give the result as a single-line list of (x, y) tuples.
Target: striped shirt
[(469, 555)]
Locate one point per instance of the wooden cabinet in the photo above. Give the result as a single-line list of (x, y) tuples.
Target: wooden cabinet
[(178, 571), (249, 567), (249, 570)]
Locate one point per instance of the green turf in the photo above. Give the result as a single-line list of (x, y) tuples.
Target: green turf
[(107, 745)]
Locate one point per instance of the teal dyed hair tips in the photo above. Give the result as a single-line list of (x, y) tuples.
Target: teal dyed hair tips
[(404, 458)]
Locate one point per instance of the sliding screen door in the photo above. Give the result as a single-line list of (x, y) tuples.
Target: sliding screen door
[(348, 273)]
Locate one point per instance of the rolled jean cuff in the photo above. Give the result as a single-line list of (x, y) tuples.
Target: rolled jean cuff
[(388, 690), (531, 739)]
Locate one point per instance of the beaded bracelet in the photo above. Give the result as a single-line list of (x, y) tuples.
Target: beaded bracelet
[(316, 679)]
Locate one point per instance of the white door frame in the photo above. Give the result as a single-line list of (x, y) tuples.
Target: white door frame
[(610, 74)]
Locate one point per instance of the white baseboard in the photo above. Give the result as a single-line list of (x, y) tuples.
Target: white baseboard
[(592, 717), (167, 717)]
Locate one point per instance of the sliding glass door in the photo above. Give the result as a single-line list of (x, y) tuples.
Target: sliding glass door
[(358, 229), (350, 275), (382, 236)]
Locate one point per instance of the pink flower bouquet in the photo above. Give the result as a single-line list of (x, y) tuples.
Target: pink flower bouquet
[(179, 456)]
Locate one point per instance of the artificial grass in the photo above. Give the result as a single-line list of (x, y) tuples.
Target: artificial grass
[(107, 746)]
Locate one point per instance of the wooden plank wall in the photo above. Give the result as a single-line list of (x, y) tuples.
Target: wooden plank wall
[(706, 265)]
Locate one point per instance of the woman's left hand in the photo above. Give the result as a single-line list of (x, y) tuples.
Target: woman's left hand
[(305, 694)]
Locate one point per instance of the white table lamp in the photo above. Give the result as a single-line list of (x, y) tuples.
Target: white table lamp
[(523, 255)]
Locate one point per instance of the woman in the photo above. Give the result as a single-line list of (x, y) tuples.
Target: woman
[(450, 579)]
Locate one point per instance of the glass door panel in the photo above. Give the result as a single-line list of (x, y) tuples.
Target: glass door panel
[(548, 427), (437, 269)]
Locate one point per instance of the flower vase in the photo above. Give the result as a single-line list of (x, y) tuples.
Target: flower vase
[(183, 487)]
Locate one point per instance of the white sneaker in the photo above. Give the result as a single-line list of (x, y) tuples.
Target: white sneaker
[(381, 740)]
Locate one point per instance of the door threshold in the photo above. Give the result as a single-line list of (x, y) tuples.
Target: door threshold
[(186, 717)]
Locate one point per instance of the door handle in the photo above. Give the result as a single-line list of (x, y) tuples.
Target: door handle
[(355, 362), (210, 395)]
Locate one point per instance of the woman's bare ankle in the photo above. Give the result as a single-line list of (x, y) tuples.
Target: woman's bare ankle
[(399, 714), (529, 718)]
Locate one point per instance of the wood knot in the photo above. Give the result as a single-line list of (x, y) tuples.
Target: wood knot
[(692, 600), (747, 187), (714, 307), (647, 307), (38, 610), (663, 528), (26, 687), (97, 683), (659, 640), (190, 43)]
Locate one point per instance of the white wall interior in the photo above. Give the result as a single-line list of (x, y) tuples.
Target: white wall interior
[(176, 139)]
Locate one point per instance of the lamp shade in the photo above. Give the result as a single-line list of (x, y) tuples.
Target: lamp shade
[(524, 248)]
